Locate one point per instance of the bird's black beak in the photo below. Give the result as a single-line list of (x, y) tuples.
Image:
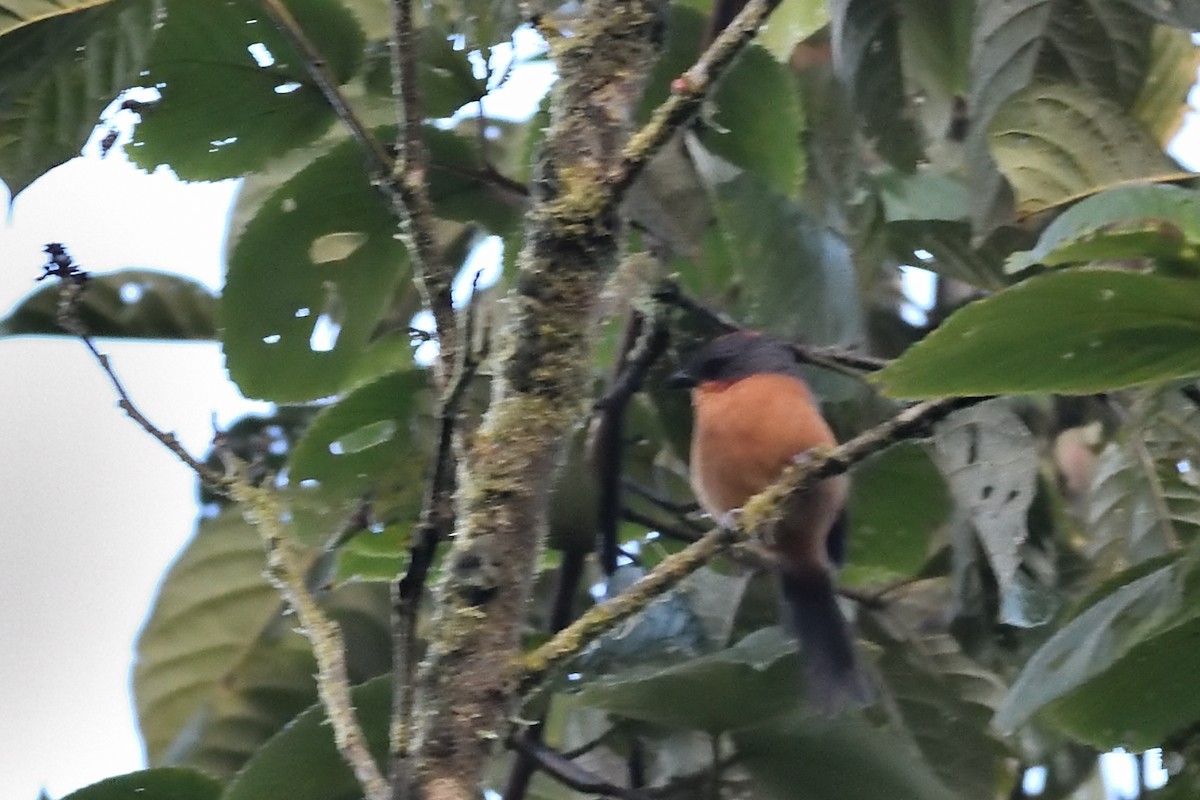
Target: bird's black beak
[(681, 380)]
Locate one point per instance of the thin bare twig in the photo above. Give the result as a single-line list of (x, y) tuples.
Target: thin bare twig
[(758, 514), (645, 340), (665, 503)]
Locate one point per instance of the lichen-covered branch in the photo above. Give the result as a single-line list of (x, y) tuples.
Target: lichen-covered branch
[(540, 386), (760, 512), (262, 509)]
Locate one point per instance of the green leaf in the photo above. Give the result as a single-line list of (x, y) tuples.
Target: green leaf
[(760, 130), (460, 192), (221, 114), (898, 500), (843, 758), (220, 668), (1097, 49), (1142, 503), (742, 685), (319, 261), (1162, 104), (213, 605), (949, 243), (153, 784), (866, 57), (921, 195), (1055, 142), (944, 700), (136, 303), (1151, 221), (1134, 646), (302, 763), (447, 78), (797, 277), (59, 69), (1073, 332), (369, 442), (1178, 13), (790, 24)]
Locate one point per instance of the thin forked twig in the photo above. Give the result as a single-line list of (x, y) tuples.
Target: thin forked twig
[(262, 510)]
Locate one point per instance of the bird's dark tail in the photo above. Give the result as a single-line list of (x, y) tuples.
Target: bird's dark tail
[(833, 678)]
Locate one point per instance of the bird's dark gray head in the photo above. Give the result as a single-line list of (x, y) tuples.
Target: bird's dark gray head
[(735, 356)]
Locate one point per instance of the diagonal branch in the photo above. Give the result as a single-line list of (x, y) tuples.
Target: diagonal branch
[(760, 512)]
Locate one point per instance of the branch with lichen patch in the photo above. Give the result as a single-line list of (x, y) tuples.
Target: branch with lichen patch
[(760, 513)]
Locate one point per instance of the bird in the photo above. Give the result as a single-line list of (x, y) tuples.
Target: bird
[(754, 415)]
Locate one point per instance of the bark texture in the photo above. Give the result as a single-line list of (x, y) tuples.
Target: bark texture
[(466, 684)]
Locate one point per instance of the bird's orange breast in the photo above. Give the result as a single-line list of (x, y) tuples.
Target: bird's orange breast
[(747, 432)]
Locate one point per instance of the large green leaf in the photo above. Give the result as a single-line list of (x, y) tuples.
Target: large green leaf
[(374, 441), (755, 679), (220, 668), (222, 113), (1092, 45), (756, 130), (302, 763), (1132, 648), (835, 759), (308, 279), (866, 56), (897, 502), (58, 71), (212, 607), (1055, 141), (1150, 221), (944, 700), (790, 24), (1074, 332), (1142, 503), (137, 303), (797, 277), (1179, 13), (1162, 104), (171, 783)]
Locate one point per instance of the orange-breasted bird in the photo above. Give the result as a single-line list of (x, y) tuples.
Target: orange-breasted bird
[(754, 415)]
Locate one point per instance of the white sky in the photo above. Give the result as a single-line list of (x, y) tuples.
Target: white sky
[(93, 509)]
